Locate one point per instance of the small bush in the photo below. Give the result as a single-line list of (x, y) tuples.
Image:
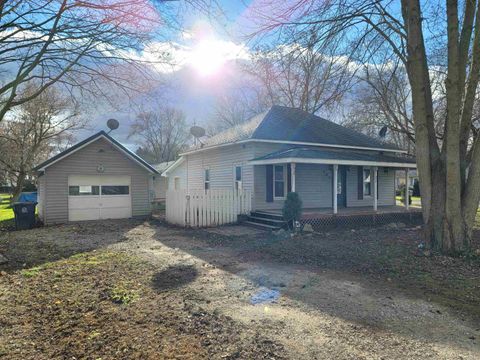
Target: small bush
[(292, 208)]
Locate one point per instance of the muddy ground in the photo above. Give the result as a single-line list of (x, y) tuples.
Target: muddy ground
[(140, 290)]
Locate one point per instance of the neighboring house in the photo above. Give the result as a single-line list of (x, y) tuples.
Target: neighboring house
[(400, 179), (286, 149), (98, 178), (176, 175), (160, 183)]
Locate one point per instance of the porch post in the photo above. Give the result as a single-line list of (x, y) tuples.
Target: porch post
[(407, 192), (292, 170), (335, 180), (375, 179)]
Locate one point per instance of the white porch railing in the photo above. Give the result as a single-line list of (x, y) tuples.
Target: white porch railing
[(202, 208)]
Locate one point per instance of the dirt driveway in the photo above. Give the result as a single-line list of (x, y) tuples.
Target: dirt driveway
[(233, 292)]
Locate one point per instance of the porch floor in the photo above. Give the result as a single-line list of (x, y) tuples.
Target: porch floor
[(315, 213)]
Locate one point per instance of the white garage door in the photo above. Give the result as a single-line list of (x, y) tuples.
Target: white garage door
[(94, 197)]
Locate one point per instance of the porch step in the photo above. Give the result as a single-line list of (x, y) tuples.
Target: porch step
[(261, 226), (266, 215), (266, 221)]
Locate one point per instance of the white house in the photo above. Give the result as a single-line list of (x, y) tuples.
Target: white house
[(286, 149)]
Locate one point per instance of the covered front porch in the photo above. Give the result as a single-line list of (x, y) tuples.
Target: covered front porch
[(324, 219), (330, 181)]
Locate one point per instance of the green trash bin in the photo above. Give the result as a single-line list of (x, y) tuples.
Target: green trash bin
[(24, 215)]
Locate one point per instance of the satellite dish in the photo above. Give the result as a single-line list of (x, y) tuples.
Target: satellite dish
[(383, 131), (197, 131), (113, 124)]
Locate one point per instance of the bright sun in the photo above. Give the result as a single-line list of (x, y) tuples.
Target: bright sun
[(208, 56)]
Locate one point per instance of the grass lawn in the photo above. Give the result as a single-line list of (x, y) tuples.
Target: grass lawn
[(6, 213), (414, 198)]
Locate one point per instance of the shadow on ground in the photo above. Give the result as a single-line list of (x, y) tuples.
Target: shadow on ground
[(35, 247), (174, 277)]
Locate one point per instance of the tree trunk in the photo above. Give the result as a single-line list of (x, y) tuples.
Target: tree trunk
[(17, 190), (439, 172)]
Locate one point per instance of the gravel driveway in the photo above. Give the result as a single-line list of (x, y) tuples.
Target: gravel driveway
[(344, 295)]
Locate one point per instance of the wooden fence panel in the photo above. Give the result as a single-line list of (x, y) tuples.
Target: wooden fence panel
[(203, 208)]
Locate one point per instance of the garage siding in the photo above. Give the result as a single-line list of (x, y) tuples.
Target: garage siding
[(41, 197), (85, 162)]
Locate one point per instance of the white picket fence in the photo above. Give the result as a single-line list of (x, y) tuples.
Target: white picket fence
[(202, 208)]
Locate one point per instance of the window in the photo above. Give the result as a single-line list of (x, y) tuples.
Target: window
[(367, 182), (115, 190), (176, 183), (238, 177), (279, 182), (207, 179), (77, 190)]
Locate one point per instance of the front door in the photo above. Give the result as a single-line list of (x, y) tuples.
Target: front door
[(342, 186)]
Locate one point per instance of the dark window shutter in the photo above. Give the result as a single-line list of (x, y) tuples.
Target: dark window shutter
[(289, 178), (378, 172), (269, 184), (360, 182)]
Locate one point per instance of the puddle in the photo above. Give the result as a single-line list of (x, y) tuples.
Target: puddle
[(265, 296)]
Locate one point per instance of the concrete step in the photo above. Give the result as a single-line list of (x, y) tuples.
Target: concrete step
[(266, 221), (266, 215), (261, 226)]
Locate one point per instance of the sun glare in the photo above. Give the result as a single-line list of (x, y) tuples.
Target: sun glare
[(208, 56)]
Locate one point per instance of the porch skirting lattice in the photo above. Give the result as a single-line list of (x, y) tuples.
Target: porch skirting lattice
[(322, 223)]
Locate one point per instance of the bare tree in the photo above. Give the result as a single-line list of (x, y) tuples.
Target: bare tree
[(161, 134), (239, 105), (33, 131), (88, 46), (450, 193), (381, 100), (307, 74)]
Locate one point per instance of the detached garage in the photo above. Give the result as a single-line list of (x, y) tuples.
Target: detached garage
[(97, 178)]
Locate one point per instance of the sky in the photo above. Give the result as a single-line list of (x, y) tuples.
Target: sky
[(205, 54)]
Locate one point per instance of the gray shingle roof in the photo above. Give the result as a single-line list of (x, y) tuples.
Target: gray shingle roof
[(91, 138), (282, 123), (336, 154)]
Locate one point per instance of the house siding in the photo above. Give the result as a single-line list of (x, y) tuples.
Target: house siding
[(160, 185), (221, 162), (313, 181), (85, 162), (181, 172), (386, 188)]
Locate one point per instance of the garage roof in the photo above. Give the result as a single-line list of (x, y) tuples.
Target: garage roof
[(89, 140)]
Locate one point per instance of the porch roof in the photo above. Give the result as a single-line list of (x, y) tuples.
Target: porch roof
[(341, 157)]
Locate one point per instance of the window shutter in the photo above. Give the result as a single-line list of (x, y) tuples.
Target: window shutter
[(289, 178), (269, 184), (378, 187), (360, 182)]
